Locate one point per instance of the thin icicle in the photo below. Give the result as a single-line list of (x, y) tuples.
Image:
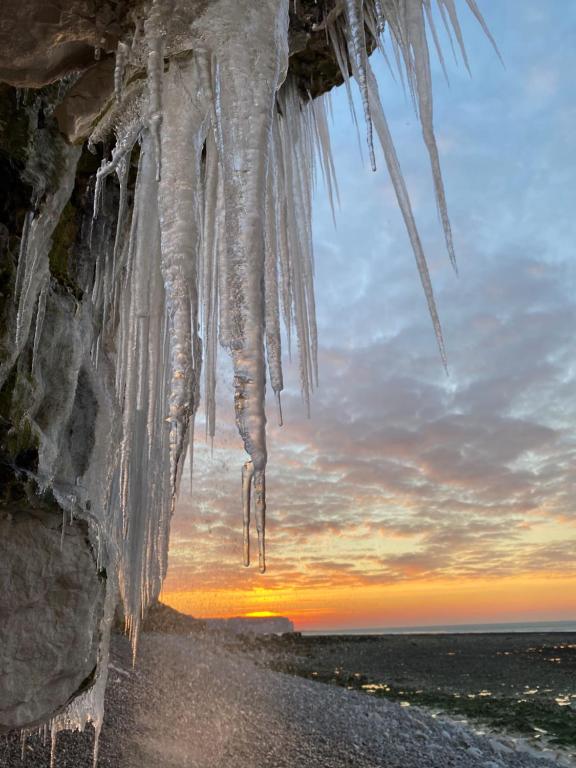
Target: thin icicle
[(453, 16), (272, 308), (22, 253), (40, 315), (480, 19), (259, 489), (122, 54), (325, 153), (432, 25), (126, 138), (33, 268), (209, 281), (417, 35), (154, 70), (359, 59), (403, 198), (380, 19), (335, 36), (247, 476)]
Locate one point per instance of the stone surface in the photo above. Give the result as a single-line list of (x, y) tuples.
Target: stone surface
[(85, 101), (44, 40), (51, 603)]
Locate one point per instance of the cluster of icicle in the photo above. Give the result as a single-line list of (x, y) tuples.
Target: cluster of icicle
[(218, 246), (213, 242)]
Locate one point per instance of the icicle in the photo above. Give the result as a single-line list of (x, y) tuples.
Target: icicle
[(432, 25), (246, 139), (325, 152), (154, 69), (247, 477), (281, 211), (380, 20), (126, 138), (122, 54), (220, 239), (213, 234), (417, 34), (259, 487), (40, 314), (33, 268), (453, 15), (22, 253), (155, 64), (480, 19), (183, 135), (338, 46), (53, 746), (272, 309), (297, 148), (359, 59), (402, 196), (136, 388)]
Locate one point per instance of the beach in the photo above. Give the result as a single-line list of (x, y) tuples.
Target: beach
[(212, 700)]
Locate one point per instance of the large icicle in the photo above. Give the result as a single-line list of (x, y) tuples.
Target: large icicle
[(219, 243), (186, 114), (248, 78)]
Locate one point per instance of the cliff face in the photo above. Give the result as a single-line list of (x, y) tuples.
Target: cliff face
[(253, 625), (182, 225), (57, 417)]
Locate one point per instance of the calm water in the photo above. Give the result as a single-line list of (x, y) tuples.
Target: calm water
[(454, 629)]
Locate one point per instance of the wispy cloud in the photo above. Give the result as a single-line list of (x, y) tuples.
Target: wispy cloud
[(403, 474)]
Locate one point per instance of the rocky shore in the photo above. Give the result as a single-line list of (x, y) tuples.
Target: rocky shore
[(195, 701)]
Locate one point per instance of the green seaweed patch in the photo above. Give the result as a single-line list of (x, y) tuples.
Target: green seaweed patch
[(534, 718)]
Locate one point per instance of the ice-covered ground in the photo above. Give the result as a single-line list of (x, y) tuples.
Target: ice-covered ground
[(192, 704)]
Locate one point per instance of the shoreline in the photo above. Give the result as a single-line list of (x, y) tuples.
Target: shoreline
[(201, 699), (524, 628), (518, 685)]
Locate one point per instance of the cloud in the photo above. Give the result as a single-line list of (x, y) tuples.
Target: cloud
[(403, 473)]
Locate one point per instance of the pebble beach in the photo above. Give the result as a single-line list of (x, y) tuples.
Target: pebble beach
[(205, 701)]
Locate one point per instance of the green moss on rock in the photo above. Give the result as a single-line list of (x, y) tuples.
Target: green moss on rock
[(63, 241)]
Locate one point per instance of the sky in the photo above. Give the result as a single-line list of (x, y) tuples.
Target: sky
[(411, 497)]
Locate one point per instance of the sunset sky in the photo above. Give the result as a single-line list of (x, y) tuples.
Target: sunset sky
[(410, 497)]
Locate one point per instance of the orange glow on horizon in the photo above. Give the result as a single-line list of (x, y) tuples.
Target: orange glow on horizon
[(412, 603)]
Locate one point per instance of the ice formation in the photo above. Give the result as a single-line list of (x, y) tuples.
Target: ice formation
[(217, 246)]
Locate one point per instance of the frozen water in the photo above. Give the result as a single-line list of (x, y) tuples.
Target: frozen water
[(219, 249), (216, 247)]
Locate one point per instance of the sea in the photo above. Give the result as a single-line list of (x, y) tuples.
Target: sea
[(455, 629)]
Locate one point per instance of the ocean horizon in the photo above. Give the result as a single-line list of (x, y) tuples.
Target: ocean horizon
[(454, 629)]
